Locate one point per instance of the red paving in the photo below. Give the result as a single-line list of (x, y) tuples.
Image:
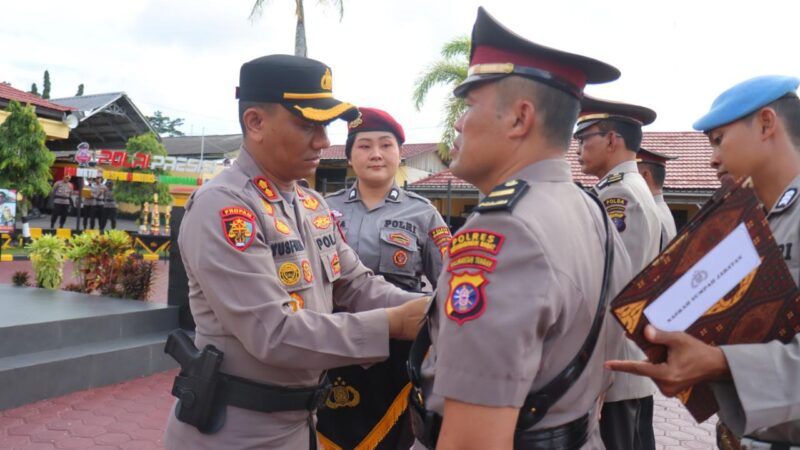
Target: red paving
[(132, 415)]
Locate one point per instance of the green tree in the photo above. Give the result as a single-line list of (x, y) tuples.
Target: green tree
[(34, 89), (138, 192), (46, 85), (24, 160), (300, 47), (450, 70), (80, 90), (165, 125)]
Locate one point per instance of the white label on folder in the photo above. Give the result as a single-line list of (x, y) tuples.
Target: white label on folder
[(705, 283)]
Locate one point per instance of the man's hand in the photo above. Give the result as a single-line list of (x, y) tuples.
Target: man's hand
[(406, 319), (689, 361)]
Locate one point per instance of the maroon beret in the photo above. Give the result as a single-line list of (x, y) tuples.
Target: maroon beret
[(372, 119)]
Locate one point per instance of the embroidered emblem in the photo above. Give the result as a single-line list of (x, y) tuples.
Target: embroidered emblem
[(466, 300), (265, 187), (322, 222), (352, 194), (289, 273), (308, 275), (355, 123), (336, 214), (326, 82), (311, 203), (472, 261), (440, 236), (282, 227), (615, 207), (483, 240), (400, 239), (297, 303), (503, 197), (239, 226), (300, 194), (336, 267), (400, 258), (342, 395), (787, 199), (394, 194), (268, 207)]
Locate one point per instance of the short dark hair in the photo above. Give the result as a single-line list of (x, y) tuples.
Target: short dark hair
[(788, 109), (632, 134), (245, 105), (657, 171), (558, 109)]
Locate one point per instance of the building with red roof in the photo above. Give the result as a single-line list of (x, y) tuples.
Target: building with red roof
[(51, 115)]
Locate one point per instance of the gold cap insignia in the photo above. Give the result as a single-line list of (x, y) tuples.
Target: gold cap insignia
[(327, 80), (354, 123)]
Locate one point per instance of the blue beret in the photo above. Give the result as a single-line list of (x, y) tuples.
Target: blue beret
[(745, 98)]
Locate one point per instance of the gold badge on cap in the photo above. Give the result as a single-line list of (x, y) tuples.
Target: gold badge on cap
[(358, 121), (327, 80)]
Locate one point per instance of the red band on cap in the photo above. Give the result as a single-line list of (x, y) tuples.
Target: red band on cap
[(485, 54)]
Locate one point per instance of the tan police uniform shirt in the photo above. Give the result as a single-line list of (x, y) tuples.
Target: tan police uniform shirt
[(61, 192), (630, 205), (265, 271), (766, 377), (668, 229), (402, 237), (518, 297)]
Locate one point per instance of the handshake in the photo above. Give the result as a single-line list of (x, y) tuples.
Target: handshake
[(406, 319)]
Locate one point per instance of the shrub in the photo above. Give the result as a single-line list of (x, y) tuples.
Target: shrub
[(21, 278), (137, 278), (47, 258), (98, 259)]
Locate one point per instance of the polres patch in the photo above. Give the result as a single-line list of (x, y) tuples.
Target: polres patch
[(483, 240), (472, 261), (615, 207), (239, 226), (466, 299)]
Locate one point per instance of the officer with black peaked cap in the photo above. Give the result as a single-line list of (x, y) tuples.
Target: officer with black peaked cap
[(653, 168), (521, 296)]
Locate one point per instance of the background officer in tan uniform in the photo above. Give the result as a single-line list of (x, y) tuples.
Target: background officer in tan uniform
[(62, 190), (399, 235), (522, 283), (754, 129), (266, 264), (609, 135), (653, 168)]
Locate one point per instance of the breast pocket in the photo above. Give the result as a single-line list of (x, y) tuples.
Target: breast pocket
[(294, 271), (399, 254)]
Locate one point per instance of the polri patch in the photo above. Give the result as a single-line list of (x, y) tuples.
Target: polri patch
[(266, 188), (322, 222), (483, 240), (466, 299), (289, 273), (615, 207), (472, 261), (239, 226), (400, 258)]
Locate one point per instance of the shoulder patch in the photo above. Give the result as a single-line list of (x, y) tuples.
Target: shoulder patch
[(787, 199), (440, 236), (609, 180), (472, 261), (503, 197), (239, 226), (265, 188), (615, 208), (483, 240), (466, 299)]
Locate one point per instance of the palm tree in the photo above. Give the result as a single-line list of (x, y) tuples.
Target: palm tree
[(300, 48), (450, 70)]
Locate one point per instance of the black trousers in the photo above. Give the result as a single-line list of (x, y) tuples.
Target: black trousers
[(91, 213), (60, 213), (107, 214), (628, 424)]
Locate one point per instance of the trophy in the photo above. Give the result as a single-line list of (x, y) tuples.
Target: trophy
[(144, 228), (155, 222), (167, 214)]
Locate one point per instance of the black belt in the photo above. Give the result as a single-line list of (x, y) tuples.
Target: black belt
[(246, 394), (570, 436)]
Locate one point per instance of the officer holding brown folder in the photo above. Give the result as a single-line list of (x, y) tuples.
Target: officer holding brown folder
[(754, 129)]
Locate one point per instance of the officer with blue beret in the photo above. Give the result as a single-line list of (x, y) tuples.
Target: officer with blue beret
[(754, 130)]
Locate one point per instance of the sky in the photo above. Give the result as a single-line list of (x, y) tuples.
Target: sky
[(182, 57)]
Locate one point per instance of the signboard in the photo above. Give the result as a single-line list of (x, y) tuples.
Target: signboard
[(8, 210), (83, 155), (120, 158)]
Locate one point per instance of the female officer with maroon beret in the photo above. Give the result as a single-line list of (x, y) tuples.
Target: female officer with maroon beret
[(397, 234)]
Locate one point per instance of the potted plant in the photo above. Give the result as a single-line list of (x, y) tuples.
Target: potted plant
[(47, 257)]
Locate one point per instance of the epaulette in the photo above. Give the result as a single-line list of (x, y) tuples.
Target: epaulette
[(416, 196), (609, 180), (503, 197), (787, 199), (333, 194)]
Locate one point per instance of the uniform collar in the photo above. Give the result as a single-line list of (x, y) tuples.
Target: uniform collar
[(394, 195), (788, 198), (546, 170), (267, 188), (624, 167), (659, 198)]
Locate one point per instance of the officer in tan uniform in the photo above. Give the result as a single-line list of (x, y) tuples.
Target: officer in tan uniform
[(609, 135), (754, 128), (653, 168), (397, 234), (62, 190), (521, 293), (266, 266)]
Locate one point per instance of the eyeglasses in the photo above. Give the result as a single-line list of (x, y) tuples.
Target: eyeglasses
[(583, 137)]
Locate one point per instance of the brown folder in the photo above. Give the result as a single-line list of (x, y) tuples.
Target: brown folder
[(764, 306)]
